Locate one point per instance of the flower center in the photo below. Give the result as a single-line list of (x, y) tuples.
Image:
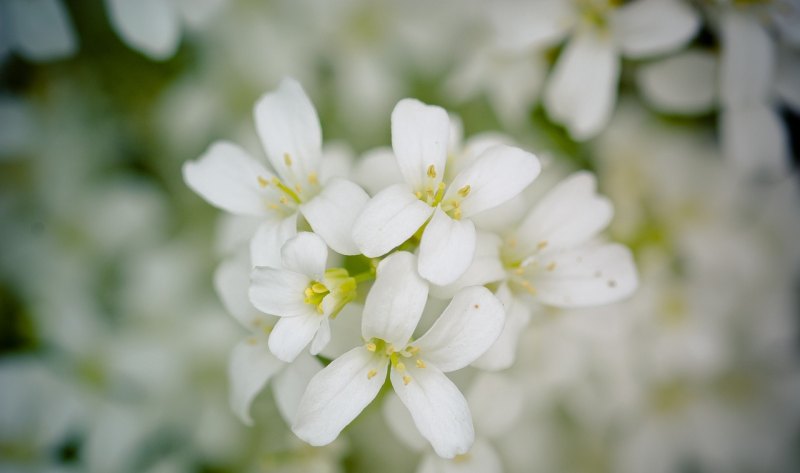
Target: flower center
[(397, 358), (433, 195), (315, 293)]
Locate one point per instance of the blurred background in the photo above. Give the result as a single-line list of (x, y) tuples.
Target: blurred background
[(113, 342)]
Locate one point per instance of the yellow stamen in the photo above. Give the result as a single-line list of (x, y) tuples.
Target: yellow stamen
[(371, 374), (319, 288), (464, 191), (406, 380), (371, 347), (420, 363), (283, 200), (432, 172), (400, 366), (262, 182), (287, 159), (312, 178)]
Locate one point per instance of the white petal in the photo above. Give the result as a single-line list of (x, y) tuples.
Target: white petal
[(438, 408), (42, 30), (250, 368), (787, 78), (748, 61), (503, 352), (332, 213), (754, 139), (377, 170), (486, 267), (232, 281), (496, 402), (323, 336), (288, 125), (584, 107), (570, 214), (467, 328), (396, 300), (149, 26), (279, 292), (198, 13), (289, 384), (685, 83), (524, 25), (389, 219), (227, 178), (292, 334), (499, 174), (266, 244), (305, 253), (401, 424), (337, 394), (650, 27), (420, 136), (587, 276), (446, 249)]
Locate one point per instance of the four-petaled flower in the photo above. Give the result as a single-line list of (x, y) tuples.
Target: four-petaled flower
[(467, 328), (303, 294), (441, 210), (227, 177)]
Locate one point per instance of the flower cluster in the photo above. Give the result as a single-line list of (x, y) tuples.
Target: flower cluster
[(440, 234)]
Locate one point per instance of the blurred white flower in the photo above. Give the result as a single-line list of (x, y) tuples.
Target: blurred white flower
[(38, 30), (600, 33), (748, 78), (420, 139), (252, 365), (153, 27), (466, 328)]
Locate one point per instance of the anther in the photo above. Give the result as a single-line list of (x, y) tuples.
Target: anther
[(400, 366), (542, 245), (319, 288), (284, 200), (262, 182), (551, 266), (287, 159), (371, 374), (312, 178), (406, 380), (371, 347), (464, 191), (420, 363), (432, 172)]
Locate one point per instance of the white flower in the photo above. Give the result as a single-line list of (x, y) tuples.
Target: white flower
[(601, 33), (153, 26), (252, 365), (290, 132), (303, 294), (551, 258), (38, 30), (420, 138), (466, 328)]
